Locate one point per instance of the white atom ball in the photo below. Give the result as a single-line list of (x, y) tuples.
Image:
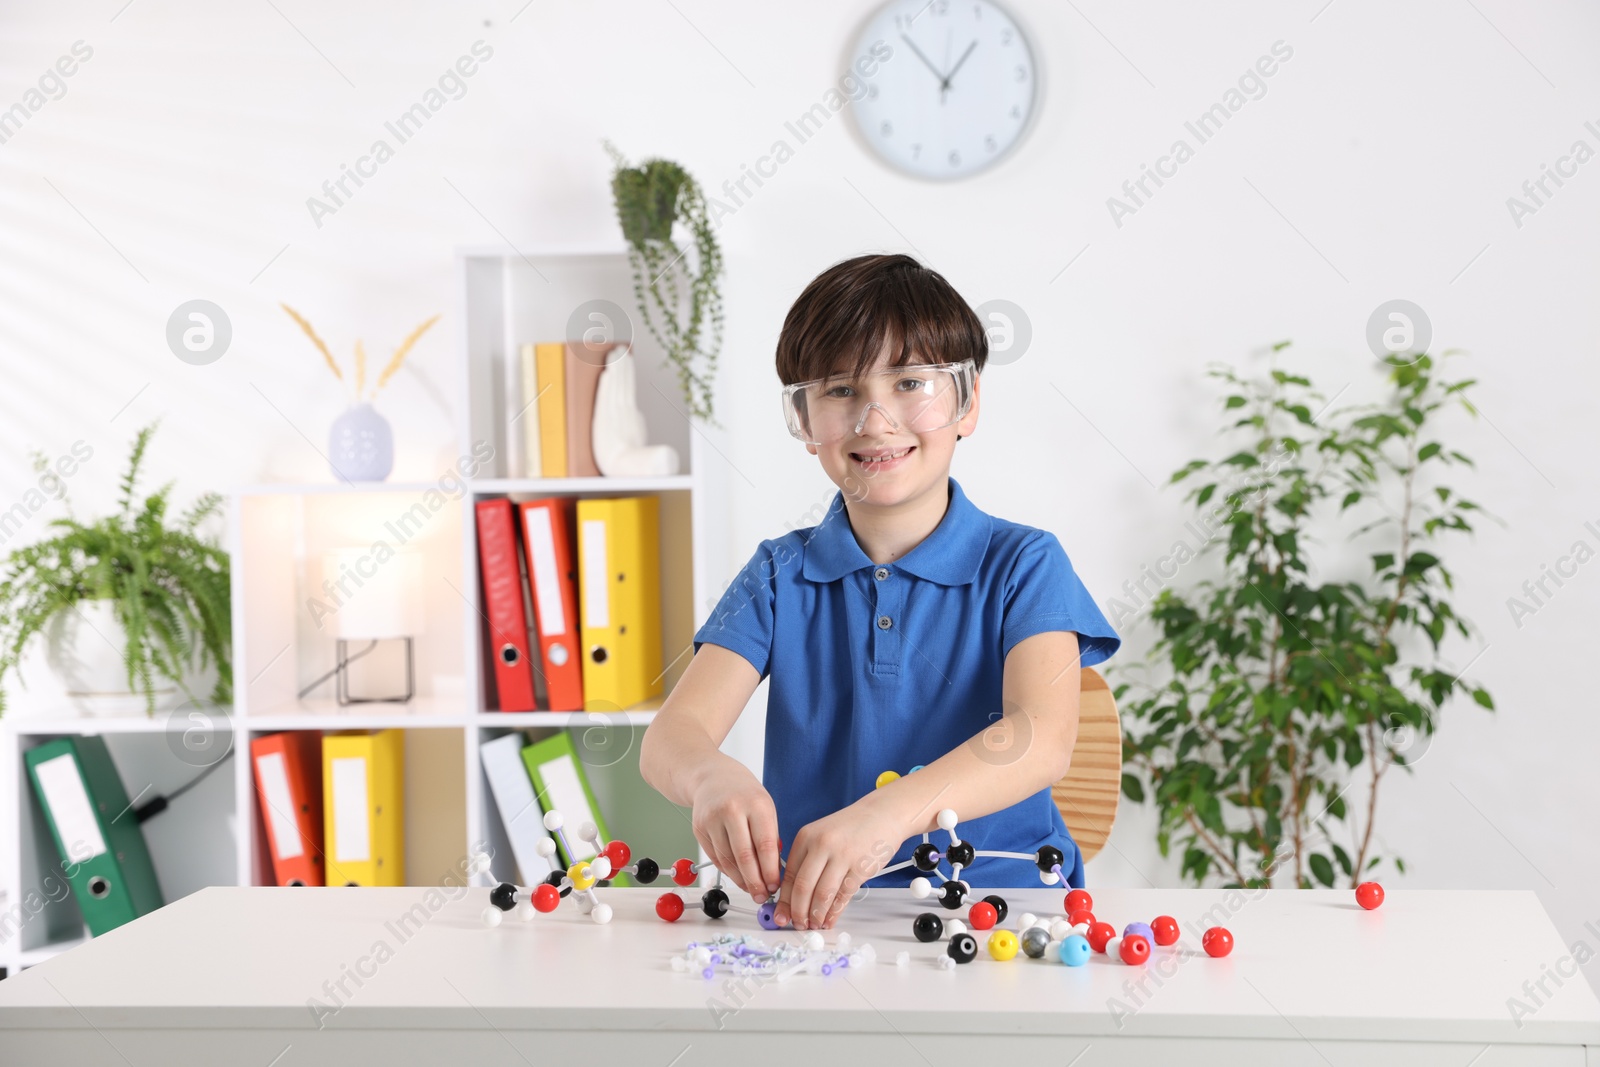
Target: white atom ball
[(546, 847), (491, 916), (947, 820), (602, 913), (921, 888), (553, 820)]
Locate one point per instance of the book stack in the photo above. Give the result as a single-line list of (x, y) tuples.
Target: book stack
[(559, 380), (571, 602)]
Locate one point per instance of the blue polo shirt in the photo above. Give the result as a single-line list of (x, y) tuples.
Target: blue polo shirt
[(877, 668)]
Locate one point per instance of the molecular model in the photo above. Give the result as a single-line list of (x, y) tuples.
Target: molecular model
[(611, 858)]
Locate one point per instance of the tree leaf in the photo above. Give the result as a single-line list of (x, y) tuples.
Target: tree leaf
[(1132, 788), (1321, 868)]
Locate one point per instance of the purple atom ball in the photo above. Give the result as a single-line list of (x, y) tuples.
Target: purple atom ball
[(1142, 929), (766, 915)]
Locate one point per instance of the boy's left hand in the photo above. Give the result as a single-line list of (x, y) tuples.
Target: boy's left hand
[(829, 860)]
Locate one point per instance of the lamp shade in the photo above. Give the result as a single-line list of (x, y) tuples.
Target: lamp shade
[(379, 599)]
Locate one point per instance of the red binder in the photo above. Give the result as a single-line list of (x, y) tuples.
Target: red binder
[(504, 605), (288, 773), (547, 530)]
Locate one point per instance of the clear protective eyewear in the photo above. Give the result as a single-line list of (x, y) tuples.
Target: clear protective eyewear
[(917, 398)]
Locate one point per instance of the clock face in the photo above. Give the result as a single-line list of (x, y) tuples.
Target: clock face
[(951, 88)]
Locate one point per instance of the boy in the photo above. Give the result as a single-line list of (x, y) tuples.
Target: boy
[(907, 631)]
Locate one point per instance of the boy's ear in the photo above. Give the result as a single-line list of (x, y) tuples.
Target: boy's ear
[(969, 421)]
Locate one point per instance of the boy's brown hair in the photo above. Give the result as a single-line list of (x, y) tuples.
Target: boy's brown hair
[(843, 319)]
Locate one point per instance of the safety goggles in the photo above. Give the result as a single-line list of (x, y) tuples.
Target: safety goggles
[(919, 398)]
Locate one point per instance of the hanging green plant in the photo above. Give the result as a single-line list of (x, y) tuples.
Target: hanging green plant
[(1274, 696), (650, 199)]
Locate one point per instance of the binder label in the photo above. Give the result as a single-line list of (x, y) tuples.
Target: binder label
[(68, 801), (542, 555), (351, 827), (280, 806), (596, 590)]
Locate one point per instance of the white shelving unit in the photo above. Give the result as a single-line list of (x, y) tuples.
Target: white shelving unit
[(278, 537)]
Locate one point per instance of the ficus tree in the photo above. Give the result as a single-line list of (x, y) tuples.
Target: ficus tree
[(1276, 692)]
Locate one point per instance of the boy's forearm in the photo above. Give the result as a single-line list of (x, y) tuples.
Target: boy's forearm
[(970, 784), (674, 757)]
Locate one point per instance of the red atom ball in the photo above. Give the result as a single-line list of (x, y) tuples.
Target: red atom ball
[(619, 854), (1165, 927), (1135, 949), (1369, 895), (546, 897), (983, 915), (681, 872), (1217, 942), (1082, 915), (670, 907), (1079, 900), (1099, 934)]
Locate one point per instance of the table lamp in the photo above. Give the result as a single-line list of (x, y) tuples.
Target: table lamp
[(384, 604)]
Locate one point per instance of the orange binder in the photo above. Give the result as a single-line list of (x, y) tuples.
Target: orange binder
[(547, 533), (288, 772)]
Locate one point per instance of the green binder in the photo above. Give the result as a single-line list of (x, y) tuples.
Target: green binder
[(102, 848), (560, 783)]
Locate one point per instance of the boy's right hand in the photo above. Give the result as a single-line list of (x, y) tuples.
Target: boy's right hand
[(737, 825)]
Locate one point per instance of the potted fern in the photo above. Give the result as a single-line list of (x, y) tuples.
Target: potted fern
[(133, 608), (650, 199)]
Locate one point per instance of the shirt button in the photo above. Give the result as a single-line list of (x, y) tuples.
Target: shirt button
[(881, 573), (884, 622)]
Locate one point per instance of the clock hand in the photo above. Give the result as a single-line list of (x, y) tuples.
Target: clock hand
[(925, 60), (960, 61)]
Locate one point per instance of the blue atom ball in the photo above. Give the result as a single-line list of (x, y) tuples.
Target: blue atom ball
[(1074, 951)]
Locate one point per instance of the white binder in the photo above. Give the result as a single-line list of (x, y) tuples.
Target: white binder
[(519, 808)]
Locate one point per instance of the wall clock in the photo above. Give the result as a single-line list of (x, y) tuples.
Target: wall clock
[(957, 91)]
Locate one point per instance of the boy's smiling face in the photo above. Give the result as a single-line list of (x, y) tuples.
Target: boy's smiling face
[(920, 463)]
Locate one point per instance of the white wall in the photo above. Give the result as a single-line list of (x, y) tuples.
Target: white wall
[(1376, 166)]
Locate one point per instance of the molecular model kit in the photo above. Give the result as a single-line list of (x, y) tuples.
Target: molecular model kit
[(1069, 938), (611, 858)]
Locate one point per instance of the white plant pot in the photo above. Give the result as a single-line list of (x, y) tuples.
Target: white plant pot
[(84, 648)]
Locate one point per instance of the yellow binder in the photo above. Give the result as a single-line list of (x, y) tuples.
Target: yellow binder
[(619, 585), (363, 807), (551, 358)]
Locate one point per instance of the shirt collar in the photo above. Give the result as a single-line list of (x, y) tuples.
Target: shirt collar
[(950, 555)]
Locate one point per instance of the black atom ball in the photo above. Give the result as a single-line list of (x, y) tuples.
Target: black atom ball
[(1049, 858), (963, 853), (925, 856), (503, 896), (715, 903), (927, 927), (963, 948), (554, 878), (647, 871), (953, 895), (1000, 908)]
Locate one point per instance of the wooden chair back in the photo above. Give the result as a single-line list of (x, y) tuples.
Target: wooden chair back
[(1087, 797)]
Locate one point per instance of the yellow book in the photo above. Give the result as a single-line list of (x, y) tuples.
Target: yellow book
[(551, 358), (363, 807), (619, 589)]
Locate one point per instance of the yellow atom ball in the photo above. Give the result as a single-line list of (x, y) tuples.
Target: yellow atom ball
[(581, 876), (886, 777), (1003, 945)]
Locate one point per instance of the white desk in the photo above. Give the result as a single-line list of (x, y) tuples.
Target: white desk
[(224, 976)]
